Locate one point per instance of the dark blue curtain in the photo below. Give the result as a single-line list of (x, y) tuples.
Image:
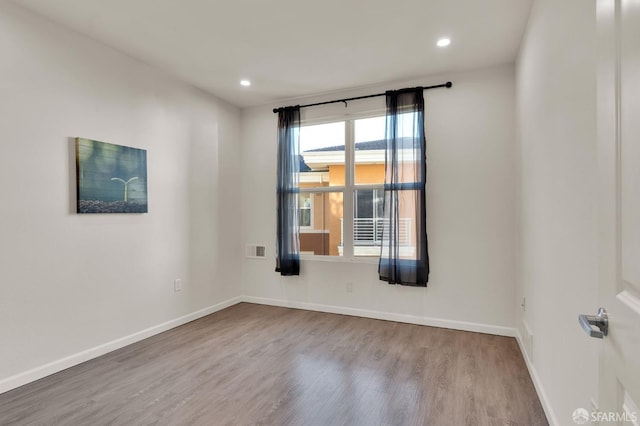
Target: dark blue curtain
[(288, 238), (404, 258)]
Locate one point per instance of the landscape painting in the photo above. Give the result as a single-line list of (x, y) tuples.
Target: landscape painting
[(110, 178)]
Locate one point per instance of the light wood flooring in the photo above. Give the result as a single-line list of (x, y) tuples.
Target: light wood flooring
[(253, 364)]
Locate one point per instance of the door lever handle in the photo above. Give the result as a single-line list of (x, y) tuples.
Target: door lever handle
[(601, 321)]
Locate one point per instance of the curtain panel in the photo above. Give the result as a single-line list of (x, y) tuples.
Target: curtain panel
[(404, 255), (288, 230)]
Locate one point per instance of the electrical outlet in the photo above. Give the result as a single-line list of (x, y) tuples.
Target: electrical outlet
[(177, 284), (349, 287)]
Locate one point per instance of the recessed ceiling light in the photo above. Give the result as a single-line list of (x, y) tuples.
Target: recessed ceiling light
[(444, 42), (245, 83)]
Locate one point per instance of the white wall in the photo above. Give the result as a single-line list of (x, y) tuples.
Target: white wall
[(556, 77), (72, 282), (470, 211)]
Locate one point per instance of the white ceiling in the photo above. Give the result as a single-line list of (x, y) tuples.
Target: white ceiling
[(292, 48)]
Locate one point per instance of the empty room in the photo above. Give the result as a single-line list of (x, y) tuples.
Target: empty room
[(320, 213)]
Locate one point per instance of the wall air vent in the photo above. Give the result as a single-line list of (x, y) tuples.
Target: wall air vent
[(256, 251)]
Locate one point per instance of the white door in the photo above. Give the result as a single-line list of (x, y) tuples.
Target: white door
[(618, 198)]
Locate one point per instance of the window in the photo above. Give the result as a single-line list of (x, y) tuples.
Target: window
[(306, 210), (342, 169)]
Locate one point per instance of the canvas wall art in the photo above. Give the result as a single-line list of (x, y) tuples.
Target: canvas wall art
[(110, 178)]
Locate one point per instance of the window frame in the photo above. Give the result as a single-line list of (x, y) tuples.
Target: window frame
[(350, 187)]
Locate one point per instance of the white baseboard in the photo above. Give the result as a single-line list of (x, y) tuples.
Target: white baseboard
[(537, 383), (75, 359), (409, 319)]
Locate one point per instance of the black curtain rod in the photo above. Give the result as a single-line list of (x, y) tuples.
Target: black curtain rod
[(437, 86)]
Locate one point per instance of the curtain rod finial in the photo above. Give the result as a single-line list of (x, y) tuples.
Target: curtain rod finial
[(449, 84)]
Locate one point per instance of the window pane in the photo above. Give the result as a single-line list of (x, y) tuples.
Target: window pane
[(408, 225), (379, 202), (322, 151), (363, 203), (369, 150), (409, 161), (323, 236), (367, 222)]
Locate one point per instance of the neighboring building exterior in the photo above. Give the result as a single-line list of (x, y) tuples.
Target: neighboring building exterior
[(321, 213)]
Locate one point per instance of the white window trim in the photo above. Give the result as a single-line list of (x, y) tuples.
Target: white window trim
[(339, 259)]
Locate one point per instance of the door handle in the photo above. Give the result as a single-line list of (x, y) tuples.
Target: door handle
[(601, 321)]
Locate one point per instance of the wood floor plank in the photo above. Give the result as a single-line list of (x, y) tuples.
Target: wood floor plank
[(262, 365)]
